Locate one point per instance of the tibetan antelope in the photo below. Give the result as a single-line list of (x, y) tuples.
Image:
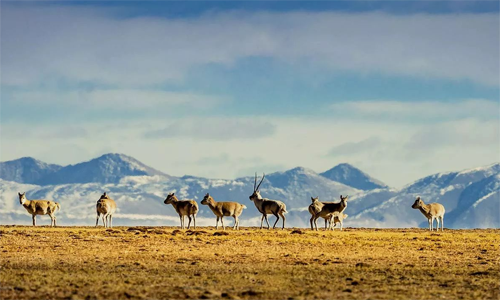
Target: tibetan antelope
[(40, 207), (326, 210), (431, 211), (314, 209), (337, 218), (221, 209), (267, 206), (183, 208), (106, 207)]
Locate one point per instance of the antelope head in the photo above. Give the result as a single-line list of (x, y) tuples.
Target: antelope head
[(207, 199), (256, 193), (314, 200), (343, 199), (418, 203), (170, 198), (22, 197)]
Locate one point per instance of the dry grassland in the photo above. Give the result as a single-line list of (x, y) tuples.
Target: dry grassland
[(164, 262)]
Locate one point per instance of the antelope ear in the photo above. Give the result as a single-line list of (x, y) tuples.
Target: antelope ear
[(340, 196), (312, 198), (19, 193)]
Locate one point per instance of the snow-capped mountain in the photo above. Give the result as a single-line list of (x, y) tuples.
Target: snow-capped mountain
[(471, 197), (140, 198), (26, 170), (108, 168), (349, 175)]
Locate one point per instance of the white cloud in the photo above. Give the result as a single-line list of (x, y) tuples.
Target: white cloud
[(90, 45), (117, 99), (422, 110), (350, 148), (214, 129), (456, 135)]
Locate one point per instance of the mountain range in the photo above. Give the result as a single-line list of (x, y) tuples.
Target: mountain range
[(471, 197)]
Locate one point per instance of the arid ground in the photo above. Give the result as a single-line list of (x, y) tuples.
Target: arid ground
[(165, 262)]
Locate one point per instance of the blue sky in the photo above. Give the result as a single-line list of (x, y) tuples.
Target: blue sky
[(400, 89)]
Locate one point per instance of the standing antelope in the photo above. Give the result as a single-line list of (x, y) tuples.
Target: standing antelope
[(183, 208), (326, 210), (40, 207), (267, 206), (431, 211), (221, 209), (314, 209), (337, 218), (106, 207)]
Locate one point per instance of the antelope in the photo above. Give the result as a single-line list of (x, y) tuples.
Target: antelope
[(40, 207), (183, 208), (314, 209), (221, 209), (337, 218), (106, 207), (431, 211), (267, 206), (327, 209)]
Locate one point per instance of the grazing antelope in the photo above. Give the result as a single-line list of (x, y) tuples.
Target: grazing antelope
[(106, 207), (267, 206), (40, 207), (221, 209), (183, 208), (327, 209), (431, 211)]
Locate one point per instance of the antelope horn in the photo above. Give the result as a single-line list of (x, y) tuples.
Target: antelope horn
[(255, 182), (263, 176)]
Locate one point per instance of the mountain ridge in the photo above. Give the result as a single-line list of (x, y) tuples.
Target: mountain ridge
[(348, 174), (26, 170), (107, 168), (471, 197)]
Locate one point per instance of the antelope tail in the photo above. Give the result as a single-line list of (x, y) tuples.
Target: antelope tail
[(58, 206)]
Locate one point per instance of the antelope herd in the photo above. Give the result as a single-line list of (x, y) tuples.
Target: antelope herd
[(332, 212)]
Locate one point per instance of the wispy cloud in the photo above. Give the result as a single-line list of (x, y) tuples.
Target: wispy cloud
[(214, 129), (419, 110), (68, 132), (456, 135), (117, 99), (355, 147)]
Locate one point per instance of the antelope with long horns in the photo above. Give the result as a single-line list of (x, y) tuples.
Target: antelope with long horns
[(267, 206)]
